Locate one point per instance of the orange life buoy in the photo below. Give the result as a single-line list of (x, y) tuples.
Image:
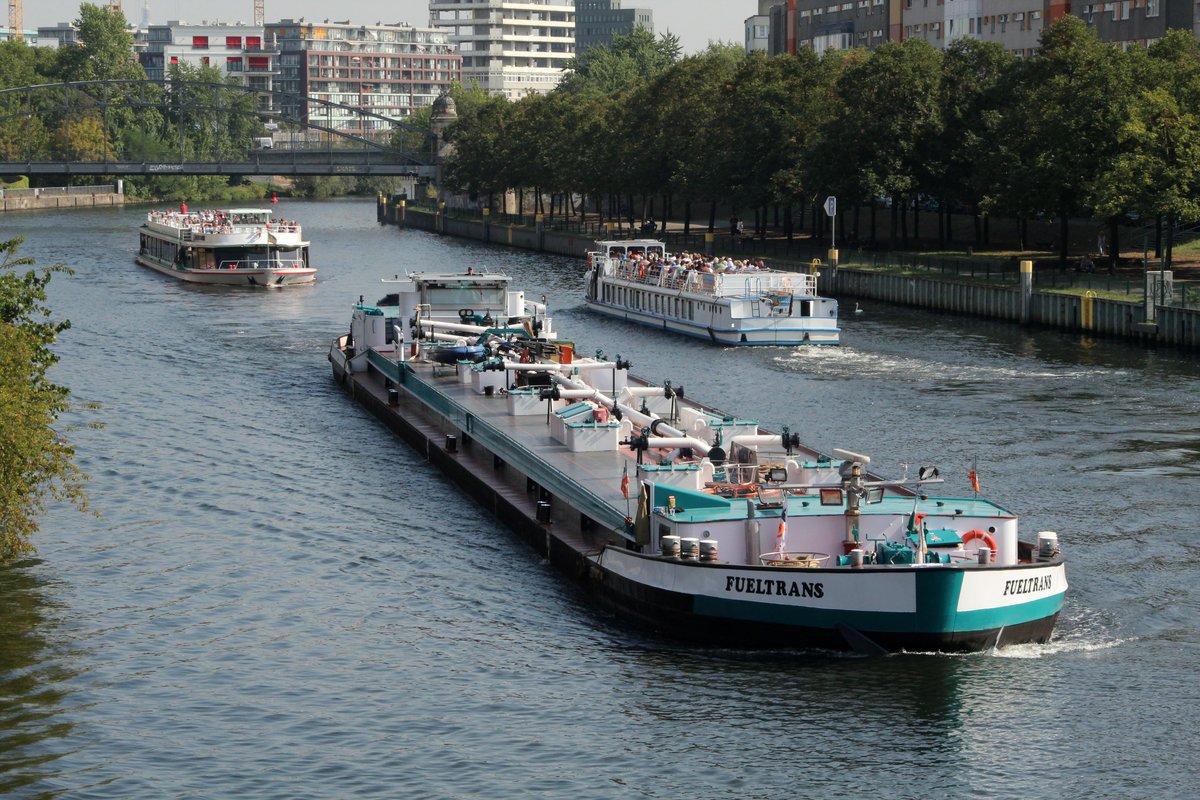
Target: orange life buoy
[(984, 536), (600, 414)]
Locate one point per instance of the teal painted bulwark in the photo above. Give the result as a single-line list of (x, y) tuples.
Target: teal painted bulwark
[(937, 601)]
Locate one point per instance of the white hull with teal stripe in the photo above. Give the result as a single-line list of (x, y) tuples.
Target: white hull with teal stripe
[(925, 607)]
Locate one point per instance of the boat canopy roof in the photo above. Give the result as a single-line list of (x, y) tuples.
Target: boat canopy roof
[(614, 248), (254, 216)]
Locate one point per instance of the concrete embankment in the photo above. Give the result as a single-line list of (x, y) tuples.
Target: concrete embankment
[(1171, 325), (57, 197)]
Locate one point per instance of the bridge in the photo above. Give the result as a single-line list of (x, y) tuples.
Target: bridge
[(149, 127)]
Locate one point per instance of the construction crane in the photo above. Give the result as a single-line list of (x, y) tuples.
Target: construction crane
[(260, 13), (16, 23)]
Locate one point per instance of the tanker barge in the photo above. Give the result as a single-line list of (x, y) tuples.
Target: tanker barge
[(678, 516)]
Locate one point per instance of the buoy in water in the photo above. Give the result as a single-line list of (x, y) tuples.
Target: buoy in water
[(274, 197)]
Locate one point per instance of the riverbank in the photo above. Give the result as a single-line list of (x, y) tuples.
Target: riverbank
[(55, 197), (1012, 298)]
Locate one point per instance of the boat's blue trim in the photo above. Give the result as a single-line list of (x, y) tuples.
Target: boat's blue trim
[(705, 332)]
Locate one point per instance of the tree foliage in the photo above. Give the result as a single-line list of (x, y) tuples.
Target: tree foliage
[(1080, 128), (630, 59), (36, 462)]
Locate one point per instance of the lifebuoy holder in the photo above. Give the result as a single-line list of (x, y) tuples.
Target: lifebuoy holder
[(984, 536)]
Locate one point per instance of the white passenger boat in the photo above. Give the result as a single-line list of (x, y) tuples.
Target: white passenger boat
[(721, 300), (695, 522), (227, 247)]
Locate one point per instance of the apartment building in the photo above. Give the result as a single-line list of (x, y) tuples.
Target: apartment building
[(509, 48), (821, 25), (388, 70), (236, 50)]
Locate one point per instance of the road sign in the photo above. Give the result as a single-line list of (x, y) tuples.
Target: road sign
[(831, 206)]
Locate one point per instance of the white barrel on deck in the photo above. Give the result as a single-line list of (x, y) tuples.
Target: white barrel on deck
[(669, 546), (1047, 545), (985, 555), (708, 550), (856, 557), (689, 548)]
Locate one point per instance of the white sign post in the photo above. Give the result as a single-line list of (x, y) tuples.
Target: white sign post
[(831, 212)]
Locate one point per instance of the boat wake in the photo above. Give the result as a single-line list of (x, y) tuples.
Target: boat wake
[(849, 362)]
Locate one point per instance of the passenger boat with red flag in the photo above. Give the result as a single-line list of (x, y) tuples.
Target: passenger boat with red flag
[(225, 247), (698, 523)]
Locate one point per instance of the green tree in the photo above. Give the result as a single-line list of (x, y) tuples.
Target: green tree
[(1062, 128), (890, 103), (1156, 171), (971, 76), (36, 463), (23, 136), (630, 60), (105, 49)]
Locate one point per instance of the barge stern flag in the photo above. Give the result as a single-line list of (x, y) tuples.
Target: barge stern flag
[(625, 480), (781, 534)]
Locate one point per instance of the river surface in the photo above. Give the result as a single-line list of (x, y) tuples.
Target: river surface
[(280, 600)]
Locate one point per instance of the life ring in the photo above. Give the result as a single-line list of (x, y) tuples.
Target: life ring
[(984, 536)]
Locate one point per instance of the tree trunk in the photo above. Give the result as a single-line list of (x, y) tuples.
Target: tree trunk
[(712, 217), (895, 221), (687, 217), (787, 223), (1114, 244), (1064, 234), (1170, 241)]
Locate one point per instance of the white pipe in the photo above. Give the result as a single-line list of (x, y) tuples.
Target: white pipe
[(642, 391), (452, 326), (548, 366), (679, 441), (577, 394), (757, 440), (449, 337)]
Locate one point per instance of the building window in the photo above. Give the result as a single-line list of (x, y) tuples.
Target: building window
[(199, 42), (233, 42), (253, 42)]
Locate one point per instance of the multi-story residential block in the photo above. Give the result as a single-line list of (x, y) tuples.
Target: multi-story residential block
[(60, 35), (597, 21), (235, 50), (29, 37), (1138, 22), (508, 47), (821, 25), (388, 70), (758, 28)]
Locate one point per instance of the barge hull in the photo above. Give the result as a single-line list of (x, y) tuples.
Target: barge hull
[(576, 545)]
